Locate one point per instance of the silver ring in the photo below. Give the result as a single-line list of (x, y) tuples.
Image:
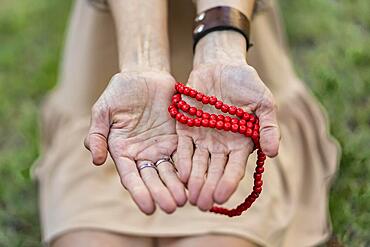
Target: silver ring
[(166, 159), (147, 165)]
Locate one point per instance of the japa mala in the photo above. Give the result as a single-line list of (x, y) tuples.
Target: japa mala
[(244, 123)]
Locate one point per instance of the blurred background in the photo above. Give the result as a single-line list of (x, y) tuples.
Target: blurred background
[(330, 46)]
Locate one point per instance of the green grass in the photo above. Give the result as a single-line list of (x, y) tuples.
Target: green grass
[(330, 43)]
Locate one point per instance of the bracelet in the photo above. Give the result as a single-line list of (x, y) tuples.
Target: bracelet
[(218, 19)]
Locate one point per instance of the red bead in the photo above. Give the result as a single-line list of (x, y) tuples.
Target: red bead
[(248, 202), (251, 199), (190, 122), (261, 155), (242, 122), (205, 122), (218, 104), (180, 88), (239, 112), (199, 113), (259, 170), (252, 118), (205, 99), (227, 126), (212, 100), (242, 129), (220, 118), (256, 127), (213, 116), (234, 121), (258, 183), (205, 115), (185, 108), (249, 125), (192, 110), (199, 96), (176, 98), (186, 90), (197, 122), (183, 119), (224, 108), (248, 132), (181, 103), (260, 163), (219, 125), (257, 176), (232, 110), (255, 135), (246, 116), (257, 189), (261, 158), (212, 123), (227, 119), (193, 93), (255, 195), (178, 116), (234, 128), (173, 113)]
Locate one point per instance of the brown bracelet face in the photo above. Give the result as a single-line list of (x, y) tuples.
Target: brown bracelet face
[(218, 19)]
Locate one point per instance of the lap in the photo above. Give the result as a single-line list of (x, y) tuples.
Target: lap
[(204, 240), (97, 238)]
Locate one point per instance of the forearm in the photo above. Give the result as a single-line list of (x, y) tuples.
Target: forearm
[(141, 27), (226, 46), (245, 6)]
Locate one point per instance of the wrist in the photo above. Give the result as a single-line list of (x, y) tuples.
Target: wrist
[(221, 46), (140, 43), (145, 56)]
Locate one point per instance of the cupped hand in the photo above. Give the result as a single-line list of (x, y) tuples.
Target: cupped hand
[(213, 161), (130, 120)]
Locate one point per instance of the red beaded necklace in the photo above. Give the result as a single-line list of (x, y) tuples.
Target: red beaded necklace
[(245, 123)]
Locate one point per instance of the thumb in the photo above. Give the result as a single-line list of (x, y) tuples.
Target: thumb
[(96, 140), (269, 129)]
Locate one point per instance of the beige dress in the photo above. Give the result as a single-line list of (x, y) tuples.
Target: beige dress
[(293, 208)]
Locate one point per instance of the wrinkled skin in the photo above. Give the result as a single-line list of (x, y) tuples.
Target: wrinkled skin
[(130, 120), (216, 163)]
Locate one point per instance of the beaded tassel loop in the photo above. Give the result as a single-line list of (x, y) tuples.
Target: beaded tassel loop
[(244, 123)]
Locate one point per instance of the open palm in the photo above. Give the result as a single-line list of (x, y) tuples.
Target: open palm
[(130, 120), (215, 166)]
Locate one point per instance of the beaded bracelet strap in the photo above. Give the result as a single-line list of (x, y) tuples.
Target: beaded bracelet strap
[(244, 123)]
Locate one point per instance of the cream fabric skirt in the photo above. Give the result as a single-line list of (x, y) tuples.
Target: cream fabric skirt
[(293, 208)]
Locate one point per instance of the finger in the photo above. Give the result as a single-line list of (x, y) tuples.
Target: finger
[(169, 177), (131, 180), (197, 175), (184, 156), (96, 140), (159, 192), (214, 173), (234, 172), (269, 129)]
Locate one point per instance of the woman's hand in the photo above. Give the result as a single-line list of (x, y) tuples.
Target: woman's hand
[(215, 166), (130, 120)]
